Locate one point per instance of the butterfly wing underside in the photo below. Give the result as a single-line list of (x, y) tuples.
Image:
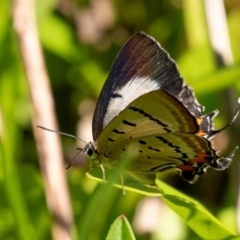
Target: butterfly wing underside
[(163, 134), (145, 108)]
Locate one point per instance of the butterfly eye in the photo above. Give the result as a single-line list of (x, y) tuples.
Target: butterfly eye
[(89, 149), (89, 152)]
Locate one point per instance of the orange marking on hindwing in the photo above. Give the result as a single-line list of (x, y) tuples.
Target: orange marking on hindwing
[(199, 122), (186, 168), (200, 158)]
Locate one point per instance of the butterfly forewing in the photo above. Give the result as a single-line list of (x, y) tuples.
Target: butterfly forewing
[(141, 66)]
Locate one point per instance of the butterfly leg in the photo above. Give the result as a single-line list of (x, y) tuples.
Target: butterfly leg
[(103, 170)]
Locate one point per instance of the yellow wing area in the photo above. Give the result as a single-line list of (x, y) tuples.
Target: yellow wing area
[(164, 153), (153, 113), (162, 136)]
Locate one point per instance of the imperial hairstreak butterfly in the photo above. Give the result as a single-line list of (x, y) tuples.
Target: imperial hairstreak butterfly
[(145, 108)]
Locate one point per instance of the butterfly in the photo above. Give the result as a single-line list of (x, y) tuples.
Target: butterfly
[(146, 109)]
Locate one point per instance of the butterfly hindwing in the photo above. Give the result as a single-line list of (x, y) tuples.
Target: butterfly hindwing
[(161, 134), (186, 154)]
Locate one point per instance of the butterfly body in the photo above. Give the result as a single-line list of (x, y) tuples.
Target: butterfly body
[(146, 111)]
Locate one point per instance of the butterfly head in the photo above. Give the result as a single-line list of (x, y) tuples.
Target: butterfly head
[(91, 154)]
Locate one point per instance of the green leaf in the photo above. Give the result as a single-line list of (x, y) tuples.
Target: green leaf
[(130, 184), (194, 214), (13, 197), (61, 41), (120, 229), (219, 80)]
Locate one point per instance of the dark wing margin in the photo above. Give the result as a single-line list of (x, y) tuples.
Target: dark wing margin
[(142, 57)]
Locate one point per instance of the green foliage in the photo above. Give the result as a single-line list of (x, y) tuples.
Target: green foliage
[(77, 70), (120, 229), (193, 213)]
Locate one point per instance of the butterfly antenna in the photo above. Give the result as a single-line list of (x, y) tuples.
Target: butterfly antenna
[(69, 135), (62, 133), (70, 164)]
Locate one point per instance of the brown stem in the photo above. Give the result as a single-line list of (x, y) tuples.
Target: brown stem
[(48, 145)]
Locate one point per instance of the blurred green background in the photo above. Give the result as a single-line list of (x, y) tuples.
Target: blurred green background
[(80, 40)]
